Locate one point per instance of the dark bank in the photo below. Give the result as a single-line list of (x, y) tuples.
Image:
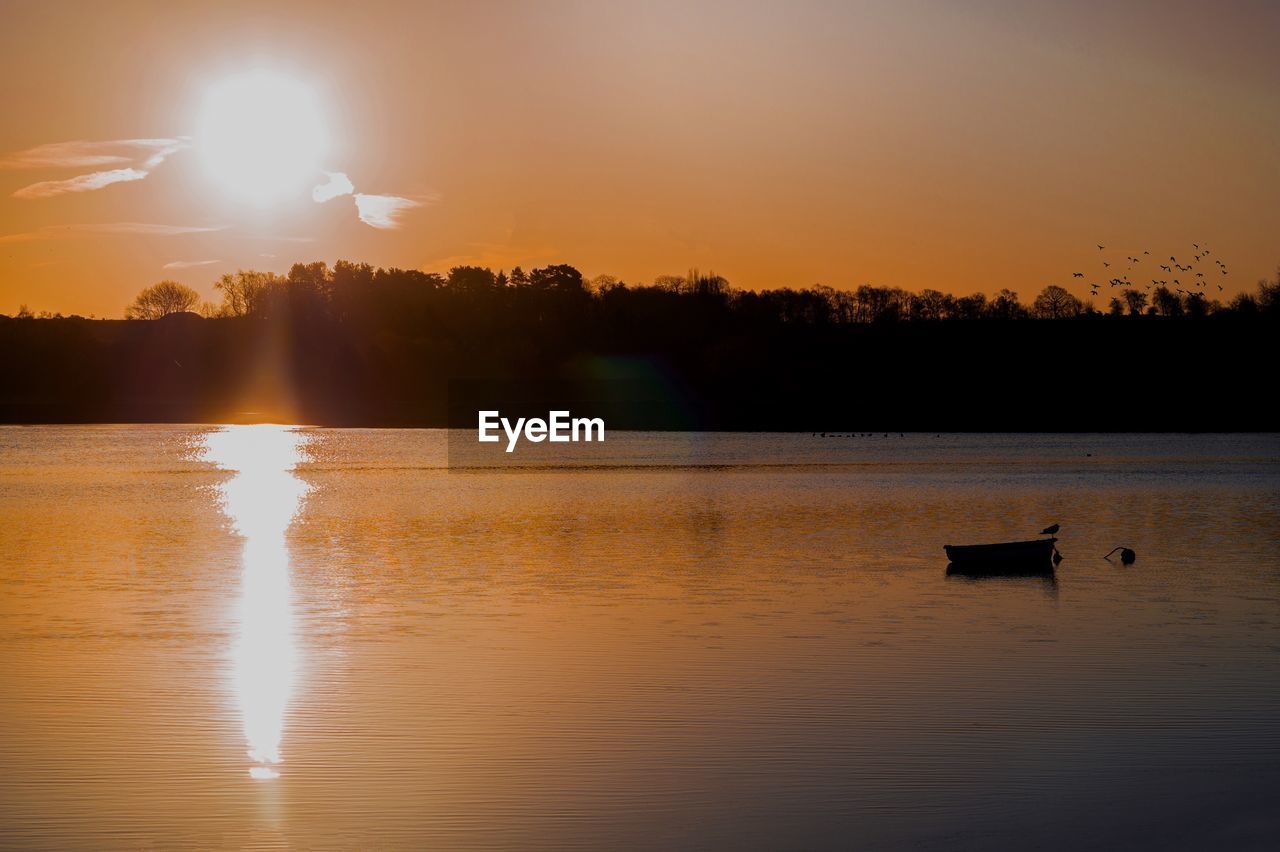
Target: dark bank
[(353, 346)]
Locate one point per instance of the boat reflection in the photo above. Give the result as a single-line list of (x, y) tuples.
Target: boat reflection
[(261, 500), (1046, 578)]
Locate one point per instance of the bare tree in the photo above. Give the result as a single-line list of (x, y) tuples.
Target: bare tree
[(245, 291), (158, 300), (1005, 305), (971, 307), (599, 284), (1055, 302), (932, 305)]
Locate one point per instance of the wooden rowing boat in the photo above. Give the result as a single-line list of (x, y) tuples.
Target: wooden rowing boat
[(1039, 554)]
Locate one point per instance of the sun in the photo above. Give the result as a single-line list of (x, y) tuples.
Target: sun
[(262, 136)]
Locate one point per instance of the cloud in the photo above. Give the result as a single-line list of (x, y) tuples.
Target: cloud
[(383, 211), (377, 211), (54, 232), (79, 183), (188, 264), (161, 152), (82, 154), (145, 228), (337, 185), (141, 155)]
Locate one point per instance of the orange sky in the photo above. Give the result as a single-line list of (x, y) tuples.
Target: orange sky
[(920, 144)]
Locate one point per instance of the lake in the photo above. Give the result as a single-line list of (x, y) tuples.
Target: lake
[(267, 638)]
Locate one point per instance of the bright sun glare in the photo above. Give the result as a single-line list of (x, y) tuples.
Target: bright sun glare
[(262, 136)]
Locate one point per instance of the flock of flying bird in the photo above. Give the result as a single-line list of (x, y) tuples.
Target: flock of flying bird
[(1194, 272)]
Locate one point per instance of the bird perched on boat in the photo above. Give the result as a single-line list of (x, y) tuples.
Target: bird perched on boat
[(1051, 530)]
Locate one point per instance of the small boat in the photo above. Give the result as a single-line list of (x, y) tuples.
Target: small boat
[(1007, 557)]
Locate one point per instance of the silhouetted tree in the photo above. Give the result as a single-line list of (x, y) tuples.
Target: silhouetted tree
[(1195, 305), (932, 305), (245, 291), (1136, 301), (350, 288), (1005, 305), (310, 278), (162, 299), (559, 277), (1055, 302), (971, 307), (1166, 302), (602, 283), (880, 304), (1244, 304), (472, 279), (1269, 295)]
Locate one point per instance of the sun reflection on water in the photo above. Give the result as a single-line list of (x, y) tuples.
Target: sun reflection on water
[(261, 500)]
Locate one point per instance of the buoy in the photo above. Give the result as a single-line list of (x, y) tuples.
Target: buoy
[(1127, 555)]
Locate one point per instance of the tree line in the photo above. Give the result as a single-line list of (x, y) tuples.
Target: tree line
[(350, 291), (358, 345)]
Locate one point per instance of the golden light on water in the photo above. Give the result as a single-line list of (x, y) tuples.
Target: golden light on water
[(261, 500)]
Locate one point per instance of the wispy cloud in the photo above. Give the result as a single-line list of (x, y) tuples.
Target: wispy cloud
[(383, 211), (188, 264), (55, 232), (337, 185), (161, 152), (79, 183), (145, 228), (138, 156), (82, 154)]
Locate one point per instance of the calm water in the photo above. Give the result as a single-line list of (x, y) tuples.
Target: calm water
[(255, 637)]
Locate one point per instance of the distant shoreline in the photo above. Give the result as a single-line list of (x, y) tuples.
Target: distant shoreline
[(832, 435), (1077, 375)]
